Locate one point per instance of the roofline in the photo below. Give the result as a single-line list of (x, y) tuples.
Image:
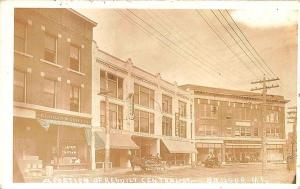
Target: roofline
[(83, 17), (230, 95)]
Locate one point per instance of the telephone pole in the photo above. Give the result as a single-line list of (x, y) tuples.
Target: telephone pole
[(264, 89), (293, 119)]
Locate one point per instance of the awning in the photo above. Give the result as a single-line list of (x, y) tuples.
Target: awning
[(207, 145), (175, 146), (45, 123), (233, 145), (117, 141)]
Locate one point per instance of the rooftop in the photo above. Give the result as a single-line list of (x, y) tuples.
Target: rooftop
[(231, 93)]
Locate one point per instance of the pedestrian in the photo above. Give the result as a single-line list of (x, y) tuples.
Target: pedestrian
[(132, 161)]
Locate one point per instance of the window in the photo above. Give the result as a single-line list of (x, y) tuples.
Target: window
[(102, 80), (272, 132), (74, 58), (255, 131), (49, 93), (228, 131), (115, 85), (143, 122), (50, 48), (102, 114), (180, 128), (208, 110), (182, 108), (166, 104), (272, 117), (209, 130), (143, 96), (20, 36), (115, 115), (19, 86), (166, 126), (242, 131), (74, 98)]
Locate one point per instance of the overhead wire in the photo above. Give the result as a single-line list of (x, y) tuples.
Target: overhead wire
[(145, 30), (216, 32)]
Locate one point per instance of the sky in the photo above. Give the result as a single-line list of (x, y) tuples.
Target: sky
[(205, 47)]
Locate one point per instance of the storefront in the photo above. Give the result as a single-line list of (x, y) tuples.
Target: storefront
[(204, 149), (51, 140), (243, 153), (119, 147), (176, 152), (275, 152)]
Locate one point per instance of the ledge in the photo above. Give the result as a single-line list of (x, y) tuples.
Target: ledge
[(23, 54), (74, 71), (54, 110), (50, 63)]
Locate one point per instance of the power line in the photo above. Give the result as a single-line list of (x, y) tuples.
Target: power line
[(177, 37), (216, 32), (163, 42), (250, 44), (236, 41), (242, 41), (172, 42)]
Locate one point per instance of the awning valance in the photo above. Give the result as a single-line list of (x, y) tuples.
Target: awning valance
[(175, 146), (46, 123), (117, 141)]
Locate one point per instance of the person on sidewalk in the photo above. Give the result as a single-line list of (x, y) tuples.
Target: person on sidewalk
[(132, 161)]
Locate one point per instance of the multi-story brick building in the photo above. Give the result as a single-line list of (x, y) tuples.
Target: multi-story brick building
[(229, 124), (147, 114), (52, 87)]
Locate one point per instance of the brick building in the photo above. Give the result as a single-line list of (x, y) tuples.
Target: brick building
[(52, 88), (229, 124)]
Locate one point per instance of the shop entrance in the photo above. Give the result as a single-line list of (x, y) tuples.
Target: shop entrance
[(59, 146), (242, 155), (147, 147)]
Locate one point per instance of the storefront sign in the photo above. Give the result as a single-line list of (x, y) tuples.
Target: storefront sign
[(61, 117)]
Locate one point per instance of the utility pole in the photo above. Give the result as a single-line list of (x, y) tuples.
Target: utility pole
[(105, 92), (264, 89), (293, 119)]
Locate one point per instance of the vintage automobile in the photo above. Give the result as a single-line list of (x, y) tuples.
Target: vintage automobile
[(150, 164)]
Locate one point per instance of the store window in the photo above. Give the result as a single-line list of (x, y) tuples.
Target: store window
[(115, 85), (166, 126), (49, 93), (143, 122), (143, 96), (50, 48), (182, 108), (20, 36), (19, 86), (167, 104), (75, 98), (74, 58), (115, 115)]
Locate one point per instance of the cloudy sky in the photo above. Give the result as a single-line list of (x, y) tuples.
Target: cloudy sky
[(226, 48)]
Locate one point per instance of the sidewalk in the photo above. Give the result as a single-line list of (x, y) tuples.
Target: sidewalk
[(57, 174)]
